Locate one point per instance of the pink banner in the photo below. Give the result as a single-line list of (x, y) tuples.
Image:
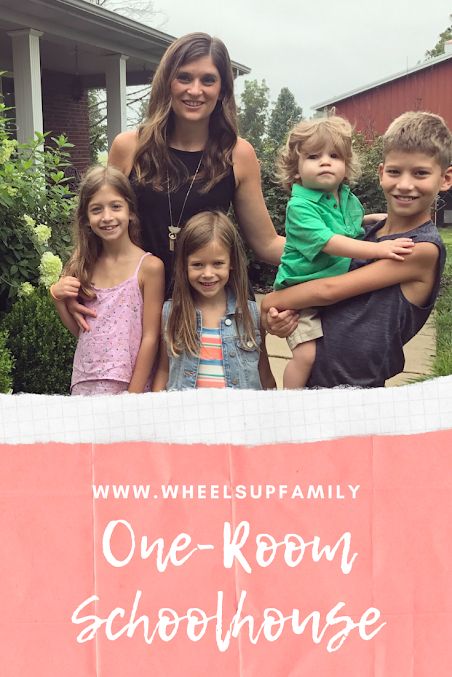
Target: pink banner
[(330, 558)]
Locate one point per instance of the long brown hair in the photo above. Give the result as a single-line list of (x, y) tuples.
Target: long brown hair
[(88, 245), (153, 163), (198, 232)]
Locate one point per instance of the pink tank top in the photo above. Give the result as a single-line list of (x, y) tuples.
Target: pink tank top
[(109, 350)]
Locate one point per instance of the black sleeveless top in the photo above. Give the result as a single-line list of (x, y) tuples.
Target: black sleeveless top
[(153, 210)]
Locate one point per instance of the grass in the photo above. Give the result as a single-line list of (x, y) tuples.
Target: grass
[(442, 365)]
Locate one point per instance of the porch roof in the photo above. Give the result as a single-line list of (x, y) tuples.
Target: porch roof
[(78, 38)]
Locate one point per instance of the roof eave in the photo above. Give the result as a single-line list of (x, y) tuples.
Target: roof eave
[(379, 83)]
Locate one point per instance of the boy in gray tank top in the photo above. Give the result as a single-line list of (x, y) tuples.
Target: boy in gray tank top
[(373, 310)]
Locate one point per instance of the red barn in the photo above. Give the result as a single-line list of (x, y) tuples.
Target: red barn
[(371, 108)]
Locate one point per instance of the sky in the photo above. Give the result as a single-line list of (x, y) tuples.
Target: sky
[(316, 48)]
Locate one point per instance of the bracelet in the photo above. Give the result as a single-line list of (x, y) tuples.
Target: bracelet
[(52, 293)]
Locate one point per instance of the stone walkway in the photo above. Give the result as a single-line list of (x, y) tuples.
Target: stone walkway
[(419, 354)]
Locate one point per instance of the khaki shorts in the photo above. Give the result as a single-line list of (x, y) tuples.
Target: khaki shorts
[(309, 328)]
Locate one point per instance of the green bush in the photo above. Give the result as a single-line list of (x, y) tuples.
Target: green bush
[(35, 205), (6, 365), (42, 348), (368, 189)]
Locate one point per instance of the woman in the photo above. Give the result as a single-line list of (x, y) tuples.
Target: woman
[(187, 157)]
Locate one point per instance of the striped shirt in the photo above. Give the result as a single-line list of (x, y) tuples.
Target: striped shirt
[(211, 369)]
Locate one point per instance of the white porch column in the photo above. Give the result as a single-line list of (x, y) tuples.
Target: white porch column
[(116, 95), (27, 82)]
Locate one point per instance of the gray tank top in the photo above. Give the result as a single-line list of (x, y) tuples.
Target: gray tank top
[(364, 336)]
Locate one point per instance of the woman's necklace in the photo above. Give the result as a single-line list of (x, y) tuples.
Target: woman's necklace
[(174, 230)]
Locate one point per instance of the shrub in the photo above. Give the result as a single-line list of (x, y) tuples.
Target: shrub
[(6, 365), (368, 189), (35, 206), (42, 348)]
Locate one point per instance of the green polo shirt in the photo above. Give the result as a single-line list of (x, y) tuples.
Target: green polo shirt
[(312, 218)]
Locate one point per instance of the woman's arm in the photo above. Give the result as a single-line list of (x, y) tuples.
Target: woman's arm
[(249, 205), (265, 373), (162, 373), (122, 151), (65, 289), (153, 281), (417, 270), (66, 318)]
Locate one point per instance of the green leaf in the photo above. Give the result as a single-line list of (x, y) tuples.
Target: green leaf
[(57, 176)]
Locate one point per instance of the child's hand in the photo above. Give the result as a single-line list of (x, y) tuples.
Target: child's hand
[(66, 288), (394, 249)]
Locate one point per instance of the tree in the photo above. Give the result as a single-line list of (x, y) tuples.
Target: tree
[(438, 49), (285, 114), (142, 11), (253, 113), (266, 139)]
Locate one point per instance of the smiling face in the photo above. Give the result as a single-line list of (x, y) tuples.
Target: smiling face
[(108, 214), (322, 169), (195, 90), (410, 182), (208, 270)]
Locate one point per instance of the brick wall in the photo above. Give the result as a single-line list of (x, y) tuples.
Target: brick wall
[(64, 114)]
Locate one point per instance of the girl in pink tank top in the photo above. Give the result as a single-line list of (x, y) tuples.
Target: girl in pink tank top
[(123, 285)]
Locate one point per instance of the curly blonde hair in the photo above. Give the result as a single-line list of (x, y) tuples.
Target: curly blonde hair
[(310, 136)]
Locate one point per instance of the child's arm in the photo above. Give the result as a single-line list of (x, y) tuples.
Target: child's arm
[(370, 219), (416, 271), (308, 234), (341, 245), (67, 287), (265, 373), (153, 279), (162, 373)]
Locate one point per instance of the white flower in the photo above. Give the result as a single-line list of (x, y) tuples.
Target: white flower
[(49, 269), (29, 220), (42, 233), (7, 148), (25, 289)]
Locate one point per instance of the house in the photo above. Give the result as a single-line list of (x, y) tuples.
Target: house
[(53, 51), (427, 86)]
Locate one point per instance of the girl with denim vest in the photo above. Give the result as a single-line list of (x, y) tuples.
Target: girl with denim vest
[(211, 333)]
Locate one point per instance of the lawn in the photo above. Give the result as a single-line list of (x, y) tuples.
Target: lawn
[(442, 365)]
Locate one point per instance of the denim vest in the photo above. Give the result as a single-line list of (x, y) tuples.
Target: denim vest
[(240, 358)]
